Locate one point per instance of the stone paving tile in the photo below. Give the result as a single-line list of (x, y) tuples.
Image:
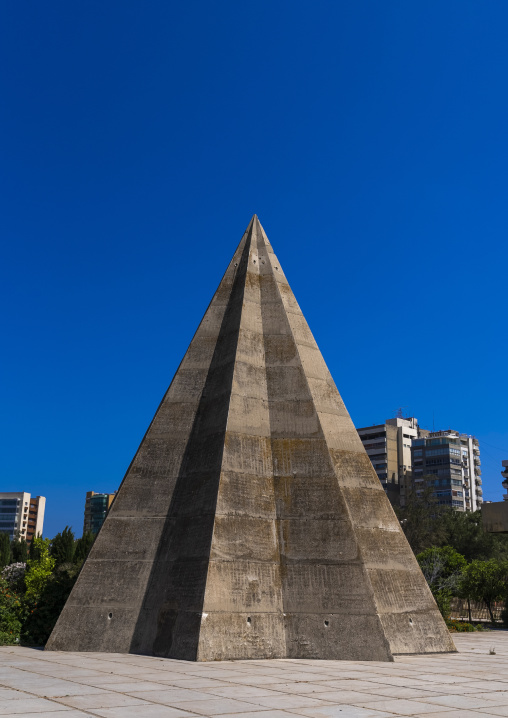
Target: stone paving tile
[(149, 711), (237, 691), (65, 688), (404, 692), (353, 685), (403, 706), (342, 711), (171, 696), (301, 688), (194, 683), (285, 702), (488, 685), (470, 683), (255, 680), (362, 697), (26, 706), (454, 714), (467, 702), (132, 686), (50, 714), (11, 694), (101, 700), (216, 706)]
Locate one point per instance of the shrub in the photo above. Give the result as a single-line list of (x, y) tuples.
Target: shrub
[(443, 569), (14, 574), (11, 615), (43, 610)]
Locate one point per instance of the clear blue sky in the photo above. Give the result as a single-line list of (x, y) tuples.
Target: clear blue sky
[(138, 138)]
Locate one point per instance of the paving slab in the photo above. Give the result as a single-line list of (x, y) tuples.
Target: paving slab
[(470, 684)]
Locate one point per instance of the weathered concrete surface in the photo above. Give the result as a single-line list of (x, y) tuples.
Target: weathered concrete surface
[(251, 523)]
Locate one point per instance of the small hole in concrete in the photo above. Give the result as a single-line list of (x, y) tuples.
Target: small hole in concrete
[(248, 619), (110, 615), (411, 621), (327, 623)]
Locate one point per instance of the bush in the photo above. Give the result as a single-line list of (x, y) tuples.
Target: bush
[(11, 615), (44, 609), (461, 626), (504, 615), (443, 569), (14, 574)]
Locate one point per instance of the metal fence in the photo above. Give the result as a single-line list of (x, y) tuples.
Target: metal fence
[(479, 611)]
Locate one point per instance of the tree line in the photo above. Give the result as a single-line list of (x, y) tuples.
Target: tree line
[(35, 582), (458, 558)]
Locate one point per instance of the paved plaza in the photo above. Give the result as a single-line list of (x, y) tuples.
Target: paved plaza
[(470, 684)]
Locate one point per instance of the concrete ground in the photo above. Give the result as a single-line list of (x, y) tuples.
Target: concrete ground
[(470, 684)]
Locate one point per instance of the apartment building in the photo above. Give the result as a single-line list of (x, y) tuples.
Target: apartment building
[(21, 515), (449, 463), (96, 508), (388, 446)]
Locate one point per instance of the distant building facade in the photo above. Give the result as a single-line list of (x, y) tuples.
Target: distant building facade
[(388, 446), (21, 515), (449, 463), (96, 508)]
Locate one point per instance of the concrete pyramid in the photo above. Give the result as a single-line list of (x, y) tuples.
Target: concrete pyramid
[(250, 523)]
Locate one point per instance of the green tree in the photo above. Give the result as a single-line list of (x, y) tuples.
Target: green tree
[(10, 615), (443, 569), (62, 547), (422, 521), (38, 569), (19, 550), (43, 613), (5, 550), (83, 546), (485, 581), (464, 531)]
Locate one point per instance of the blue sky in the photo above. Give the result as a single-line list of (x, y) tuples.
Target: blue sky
[(139, 138)]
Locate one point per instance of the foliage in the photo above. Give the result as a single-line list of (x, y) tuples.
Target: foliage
[(19, 550), (422, 521), (83, 546), (10, 615), (32, 594), (5, 549), (443, 569), (38, 569), (504, 613), (43, 613), (14, 574), (464, 531), (427, 524), (62, 547), (485, 581), (462, 627)]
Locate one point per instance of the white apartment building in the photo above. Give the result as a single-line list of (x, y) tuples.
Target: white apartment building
[(21, 515), (388, 446)]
